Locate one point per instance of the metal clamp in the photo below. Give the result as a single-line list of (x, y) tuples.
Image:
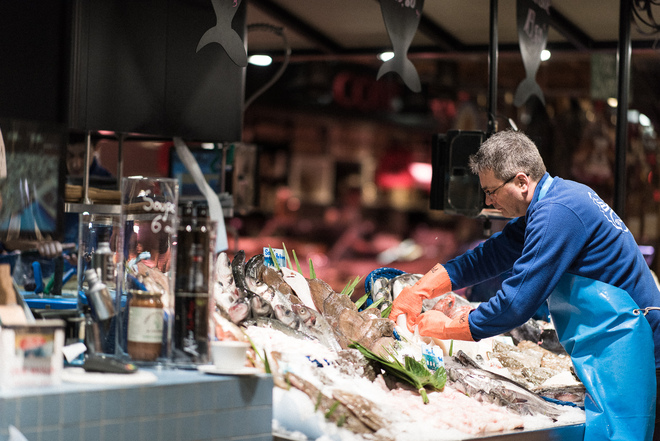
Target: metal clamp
[(645, 310)]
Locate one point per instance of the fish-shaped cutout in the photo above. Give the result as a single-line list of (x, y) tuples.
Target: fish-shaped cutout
[(401, 19), (533, 19), (223, 34)]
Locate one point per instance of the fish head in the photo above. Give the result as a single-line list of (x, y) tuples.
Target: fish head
[(307, 315), (286, 316), (239, 310)]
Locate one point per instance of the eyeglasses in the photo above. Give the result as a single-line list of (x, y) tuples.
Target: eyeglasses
[(491, 193)]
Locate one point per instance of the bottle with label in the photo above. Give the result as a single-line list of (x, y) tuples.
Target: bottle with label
[(103, 260), (191, 296), (145, 325)]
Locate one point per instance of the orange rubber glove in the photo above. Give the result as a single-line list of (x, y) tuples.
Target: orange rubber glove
[(436, 324), (409, 301)]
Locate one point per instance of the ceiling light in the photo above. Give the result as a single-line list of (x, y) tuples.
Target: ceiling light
[(612, 102), (384, 56), (260, 60), (644, 120), (545, 55)]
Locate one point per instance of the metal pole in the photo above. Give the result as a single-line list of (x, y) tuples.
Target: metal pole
[(623, 82), (492, 70), (88, 155)]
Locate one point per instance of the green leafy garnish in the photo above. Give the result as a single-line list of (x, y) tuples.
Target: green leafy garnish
[(350, 286), (332, 409), (297, 263), (264, 359), (273, 258), (386, 312), (287, 260), (376, 303), (359, 302), (412, 372), (312, 273)]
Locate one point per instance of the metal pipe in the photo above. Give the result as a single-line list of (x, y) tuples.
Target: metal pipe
[(492, 70), (623, 84), (85, 183)]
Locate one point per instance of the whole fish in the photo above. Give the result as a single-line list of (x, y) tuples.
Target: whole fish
[(400, 282), (260, 307), (487, 386), (223, 34), (253, 265), (401, 20), (381, 288), (223, 273), (238, 270), (318, 326), (533, 19), (271, 323)]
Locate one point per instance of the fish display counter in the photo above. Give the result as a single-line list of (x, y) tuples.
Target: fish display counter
[(343, 371)]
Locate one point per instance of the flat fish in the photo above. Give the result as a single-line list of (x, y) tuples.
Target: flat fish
[(533, 19), (223, 34), (401, 20)]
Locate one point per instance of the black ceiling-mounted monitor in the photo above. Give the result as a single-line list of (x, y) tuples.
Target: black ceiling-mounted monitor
[(32, 177)]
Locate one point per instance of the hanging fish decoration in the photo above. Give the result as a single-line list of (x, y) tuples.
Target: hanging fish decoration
[(533, 18), (223, 34), (401, 19)]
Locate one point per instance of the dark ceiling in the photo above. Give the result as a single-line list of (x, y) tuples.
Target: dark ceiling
[(327, 29)]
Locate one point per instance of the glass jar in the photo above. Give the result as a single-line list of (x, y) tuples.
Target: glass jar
[(145, 325)]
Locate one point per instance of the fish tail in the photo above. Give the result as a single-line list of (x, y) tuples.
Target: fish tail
[(525, 90), (406, 70), (229, 40)]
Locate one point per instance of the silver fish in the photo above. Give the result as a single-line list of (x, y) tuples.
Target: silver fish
[(223, 274), (381, 289), (288, 317), (400, 282), (223, 34), (487, 386), (271, 323), (317, 326), (401, 21), (533, 18), (260, 306)]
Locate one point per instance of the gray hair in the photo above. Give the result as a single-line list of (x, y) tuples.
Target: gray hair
[(508, 153)]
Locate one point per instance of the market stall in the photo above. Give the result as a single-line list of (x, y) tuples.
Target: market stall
[(342, 370)]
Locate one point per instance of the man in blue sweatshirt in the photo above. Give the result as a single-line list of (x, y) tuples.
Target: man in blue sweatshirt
[(566, 247)]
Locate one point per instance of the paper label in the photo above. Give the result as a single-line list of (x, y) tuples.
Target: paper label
[(432, 356), (145, 325), (279, 256)]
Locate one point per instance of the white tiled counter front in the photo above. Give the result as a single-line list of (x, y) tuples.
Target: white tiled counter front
[(180, 406)]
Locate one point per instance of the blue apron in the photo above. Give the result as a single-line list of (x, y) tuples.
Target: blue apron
[(611, 346)]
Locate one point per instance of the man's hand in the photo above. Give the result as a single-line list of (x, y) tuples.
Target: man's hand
[(436, 324), (49, 248), (409, 301)]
